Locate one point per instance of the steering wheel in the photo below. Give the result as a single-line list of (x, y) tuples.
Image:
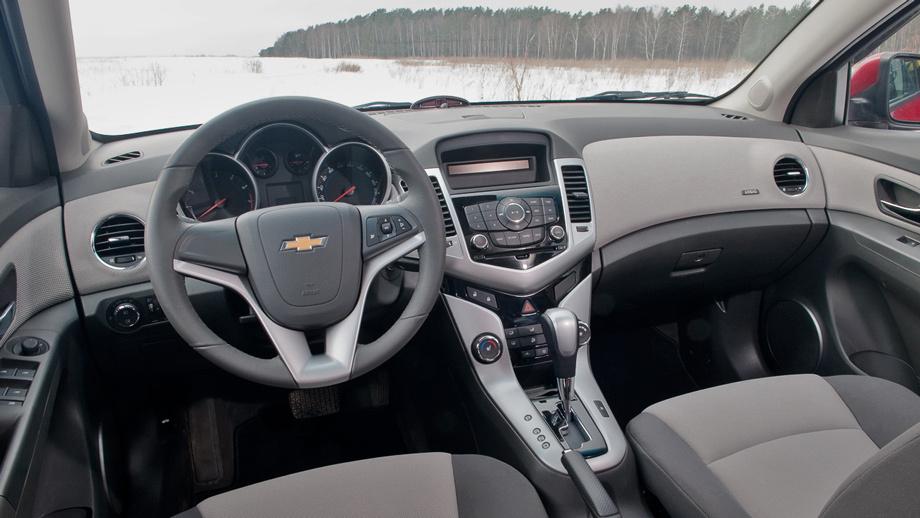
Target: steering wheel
[(302, 266)]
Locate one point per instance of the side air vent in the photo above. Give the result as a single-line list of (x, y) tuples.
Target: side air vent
[(576, 191), (790, 176), (119, 241), (445, 212), (732, 116), (124, 157)]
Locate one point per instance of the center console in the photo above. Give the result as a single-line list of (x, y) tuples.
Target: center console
[(514, 252)]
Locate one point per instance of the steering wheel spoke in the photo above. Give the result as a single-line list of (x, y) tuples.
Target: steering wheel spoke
[(213, 245)]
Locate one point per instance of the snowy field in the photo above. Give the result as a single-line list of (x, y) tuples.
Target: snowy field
[(124, 95)]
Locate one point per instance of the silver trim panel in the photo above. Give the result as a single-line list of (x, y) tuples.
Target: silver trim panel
[(308, 370), (519, 282), (503, 389)]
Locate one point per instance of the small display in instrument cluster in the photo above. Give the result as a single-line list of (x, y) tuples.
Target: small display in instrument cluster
[(284, 193)]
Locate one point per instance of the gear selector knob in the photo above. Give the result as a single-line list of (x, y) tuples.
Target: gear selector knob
[(561, 329)]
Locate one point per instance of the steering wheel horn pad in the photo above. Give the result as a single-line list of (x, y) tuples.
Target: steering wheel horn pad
[(304, 261)]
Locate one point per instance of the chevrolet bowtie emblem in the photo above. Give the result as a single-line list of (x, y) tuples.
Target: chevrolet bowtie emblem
[(304, 243)]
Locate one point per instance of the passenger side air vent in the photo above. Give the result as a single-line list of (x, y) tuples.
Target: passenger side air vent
[(124, 157), (732, 116), (576, 191), (790, 176), (445, 212), (119, 241)]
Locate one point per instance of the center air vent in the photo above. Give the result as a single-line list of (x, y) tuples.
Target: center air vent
[(576, 192), (124, 157), (734, 117), (790, 176), (119, 241), (450, 231)]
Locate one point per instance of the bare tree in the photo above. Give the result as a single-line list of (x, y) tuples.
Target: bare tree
[(651, 26), (682, 27)]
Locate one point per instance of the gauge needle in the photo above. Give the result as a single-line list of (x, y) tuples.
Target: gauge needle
[(205, 213), (344, 194)]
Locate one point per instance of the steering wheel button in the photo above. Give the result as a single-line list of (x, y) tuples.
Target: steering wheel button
[(402, 226), (372, 235)]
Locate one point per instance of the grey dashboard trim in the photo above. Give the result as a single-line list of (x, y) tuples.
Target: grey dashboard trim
[(518, 282), (652, 180), (81, 216), (502, 387), (850, 182)]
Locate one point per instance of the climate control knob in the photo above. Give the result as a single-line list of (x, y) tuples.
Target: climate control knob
[(487, 348), (479, 242), (557, 233)]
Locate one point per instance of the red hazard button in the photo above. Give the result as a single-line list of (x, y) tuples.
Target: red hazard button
[(528, 308)]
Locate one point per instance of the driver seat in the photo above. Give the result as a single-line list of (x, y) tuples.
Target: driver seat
[(433, 485)]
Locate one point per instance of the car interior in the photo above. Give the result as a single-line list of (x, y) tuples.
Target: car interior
[(678, 307)]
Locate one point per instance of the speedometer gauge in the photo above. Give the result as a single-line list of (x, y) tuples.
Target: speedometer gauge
[(220, 188), (352, 173)]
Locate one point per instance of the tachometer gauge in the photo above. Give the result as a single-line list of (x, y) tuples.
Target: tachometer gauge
[(352, 173), (220, 188), (263, 163)]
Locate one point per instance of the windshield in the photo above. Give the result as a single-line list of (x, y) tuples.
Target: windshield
[(174, 63)]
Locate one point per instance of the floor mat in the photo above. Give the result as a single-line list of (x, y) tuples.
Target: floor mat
[(275, 444), (636, 366)]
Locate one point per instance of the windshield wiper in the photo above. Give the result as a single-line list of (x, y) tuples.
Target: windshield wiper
[(631, 95), (382, 105)]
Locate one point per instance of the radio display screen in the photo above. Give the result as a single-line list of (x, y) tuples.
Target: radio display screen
[(492, 173)]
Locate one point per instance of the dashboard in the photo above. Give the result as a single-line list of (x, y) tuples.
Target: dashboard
[(280, 164)]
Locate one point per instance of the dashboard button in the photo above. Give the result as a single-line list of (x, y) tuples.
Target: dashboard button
[(511, 332), (494, 224), (533, 329), (536, 221), (471, 208), (499, 239), (490, 215), (483, 297), (513, 239), (533, 202), (487, 348), (527, 354), (526, 237), (488, 206), (538, 235)]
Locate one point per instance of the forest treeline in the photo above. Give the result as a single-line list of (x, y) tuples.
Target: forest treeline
[(685, 33)]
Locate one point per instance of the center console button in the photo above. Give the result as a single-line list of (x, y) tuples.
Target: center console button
[(513, 239), (476, 221), (533, 329), (549, 210), (494, 224), (488, 206), (557, 233), (538, 235), (483, 297), (479, 242), (499, 239), (536, 221), (515, 212), (490, 215), (526, 237)]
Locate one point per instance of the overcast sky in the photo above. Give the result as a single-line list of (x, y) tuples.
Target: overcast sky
[(244, 27)]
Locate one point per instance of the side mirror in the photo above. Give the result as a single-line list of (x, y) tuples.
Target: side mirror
[(885, 91)]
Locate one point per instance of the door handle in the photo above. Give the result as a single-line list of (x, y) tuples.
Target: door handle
[(912, 214)]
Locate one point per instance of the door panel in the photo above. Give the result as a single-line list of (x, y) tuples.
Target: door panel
[(863, 282)]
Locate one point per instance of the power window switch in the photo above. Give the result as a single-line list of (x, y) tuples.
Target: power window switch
[(25, 373), (5, 371), (10, 403), (17, 392)]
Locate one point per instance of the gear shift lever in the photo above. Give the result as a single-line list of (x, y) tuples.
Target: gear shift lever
[(560, 326)]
